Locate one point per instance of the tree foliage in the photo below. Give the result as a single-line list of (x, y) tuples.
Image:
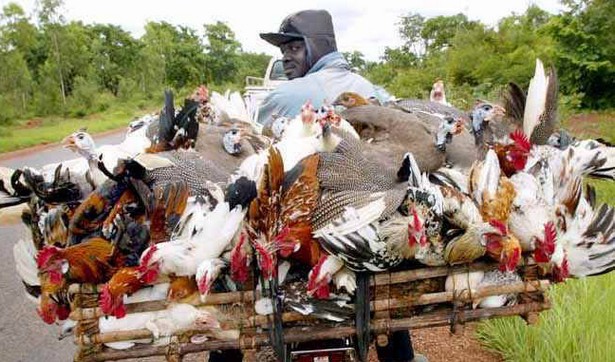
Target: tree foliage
[(52, 66)]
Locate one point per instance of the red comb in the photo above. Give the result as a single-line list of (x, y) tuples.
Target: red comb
[(521, 140), (239, 261), (105, 300), (499, 225), (315, 271), (45, 255), (149, 273)]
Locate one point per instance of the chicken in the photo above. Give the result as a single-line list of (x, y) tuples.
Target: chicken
[(437, 94), (202, 236), (125, 281), (176, 130), (164, 323), (279, 218), (587, 247), (492, 239), (182, 288), (89, 217), (478, 279), (492, 191), (92, 261)]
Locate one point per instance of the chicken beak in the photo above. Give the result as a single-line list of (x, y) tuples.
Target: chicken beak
[(512, 253), (69, 142), (459, 126)]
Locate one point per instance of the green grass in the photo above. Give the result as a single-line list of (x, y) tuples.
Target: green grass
[(53, 129), (581, 324), (580, 327)]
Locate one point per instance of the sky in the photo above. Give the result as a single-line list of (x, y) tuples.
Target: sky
[(365, 26)]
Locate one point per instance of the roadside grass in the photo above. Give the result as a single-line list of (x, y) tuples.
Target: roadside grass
[(27, 133), (581, 324)]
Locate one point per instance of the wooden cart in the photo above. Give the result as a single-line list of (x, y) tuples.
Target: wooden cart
[(397, 303)]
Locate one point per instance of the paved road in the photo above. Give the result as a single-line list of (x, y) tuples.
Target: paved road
[(23, 336), (55, 154)]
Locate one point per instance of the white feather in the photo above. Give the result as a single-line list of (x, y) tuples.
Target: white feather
[(24, 254), (536, 99)]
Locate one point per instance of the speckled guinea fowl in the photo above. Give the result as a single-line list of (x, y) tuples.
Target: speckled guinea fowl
[(393, 133), (209, 145)]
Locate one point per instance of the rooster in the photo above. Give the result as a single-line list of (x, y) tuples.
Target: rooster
[(93, 261), (279, 218), (202, 236), (124, 281), (176, 130), (494, 194)]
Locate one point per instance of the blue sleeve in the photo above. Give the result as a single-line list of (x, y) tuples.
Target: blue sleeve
[(286, 100)]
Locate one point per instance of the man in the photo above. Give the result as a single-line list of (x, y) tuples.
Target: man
[(318, 72)]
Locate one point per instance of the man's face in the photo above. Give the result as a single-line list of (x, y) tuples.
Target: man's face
[(294, 54)]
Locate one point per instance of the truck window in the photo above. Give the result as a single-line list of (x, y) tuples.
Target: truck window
[(277, 71)]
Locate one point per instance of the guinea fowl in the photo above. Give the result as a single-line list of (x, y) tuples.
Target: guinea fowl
[(393, 132), (228, 144), (83, 144)]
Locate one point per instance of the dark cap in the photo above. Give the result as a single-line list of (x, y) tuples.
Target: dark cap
[(301, 25)]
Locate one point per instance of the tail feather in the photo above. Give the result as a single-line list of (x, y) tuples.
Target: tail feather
[(25, 253), (362, 309), (536, 98), (514, 103), (595, 253)]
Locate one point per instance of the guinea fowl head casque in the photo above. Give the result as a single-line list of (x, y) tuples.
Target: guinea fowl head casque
[(81, 142)]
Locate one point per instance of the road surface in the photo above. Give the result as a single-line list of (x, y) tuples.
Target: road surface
[(23, 335)]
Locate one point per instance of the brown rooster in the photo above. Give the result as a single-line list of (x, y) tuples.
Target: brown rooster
[(279, 218), (513, 156), (51, 305), (493, 191), (124, 282), (94, 210), (164, 206), (93, 261)]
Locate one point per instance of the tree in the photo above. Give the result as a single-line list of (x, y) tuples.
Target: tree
[(51, 21), (222, 53), (355, 60), (585, 52), (114, 53)]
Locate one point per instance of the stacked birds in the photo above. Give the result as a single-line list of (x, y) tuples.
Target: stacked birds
[(340, 195)]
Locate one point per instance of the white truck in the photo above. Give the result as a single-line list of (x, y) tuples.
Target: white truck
[(257, 88)]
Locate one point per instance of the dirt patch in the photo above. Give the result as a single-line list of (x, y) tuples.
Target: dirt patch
[(32, 123), (439, 345), (587, 124)]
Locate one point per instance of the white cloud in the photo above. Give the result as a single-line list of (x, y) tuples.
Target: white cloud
[(368, 27)]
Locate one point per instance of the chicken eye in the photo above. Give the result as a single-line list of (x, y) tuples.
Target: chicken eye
[(487, 107), (80, 136)]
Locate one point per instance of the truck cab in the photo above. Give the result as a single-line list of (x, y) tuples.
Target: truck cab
[(257, 88)]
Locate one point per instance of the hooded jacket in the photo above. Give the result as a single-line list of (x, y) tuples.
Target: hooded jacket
[(329, 73)]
